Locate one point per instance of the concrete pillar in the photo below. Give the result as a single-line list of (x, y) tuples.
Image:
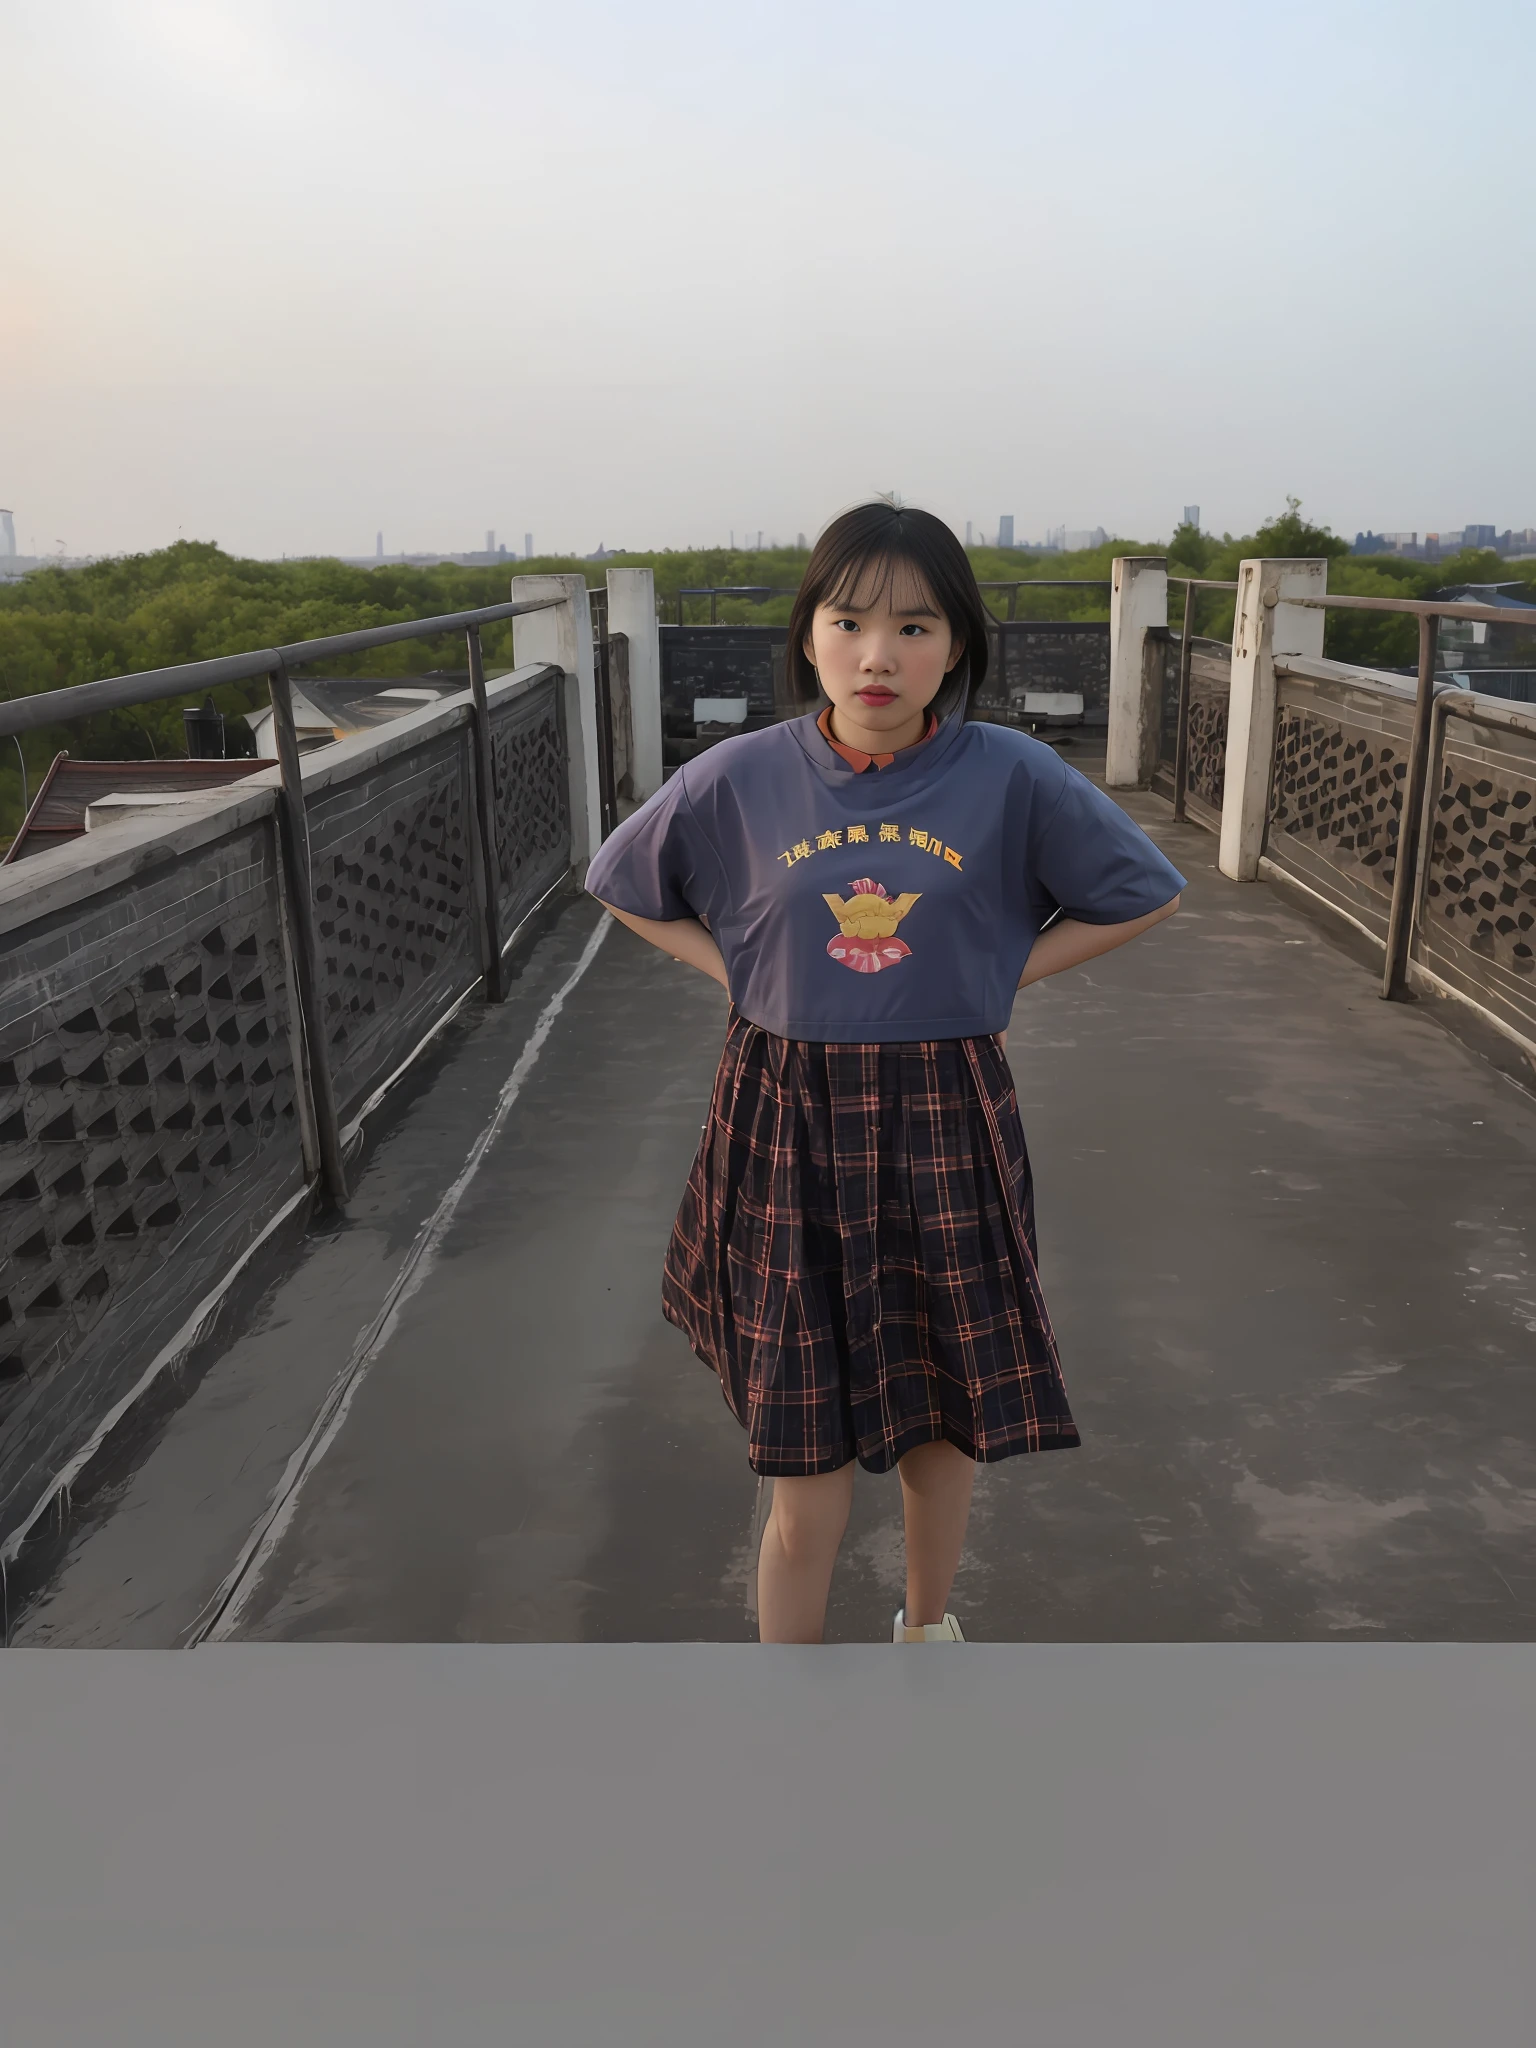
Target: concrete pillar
[(1265, 626), (1138, 601), (563, 635), (632, 610)]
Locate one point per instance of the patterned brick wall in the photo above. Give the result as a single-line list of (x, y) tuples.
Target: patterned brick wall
[(1477, 922), (149, 1111), (532, 794), (1341, 759), (394, 906), (147, 1116)]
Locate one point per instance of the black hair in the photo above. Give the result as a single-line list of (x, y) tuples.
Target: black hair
[(857, 556)]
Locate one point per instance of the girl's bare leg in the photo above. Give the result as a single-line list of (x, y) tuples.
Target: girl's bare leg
[(794, 1567), (936, 1501)]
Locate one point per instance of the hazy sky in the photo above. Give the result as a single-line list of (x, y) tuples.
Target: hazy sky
[(281, 275)]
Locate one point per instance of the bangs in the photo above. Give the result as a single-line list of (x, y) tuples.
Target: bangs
[(875, 576)]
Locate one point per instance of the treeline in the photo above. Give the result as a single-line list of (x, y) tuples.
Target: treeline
[(1373, 639), (192, 602)]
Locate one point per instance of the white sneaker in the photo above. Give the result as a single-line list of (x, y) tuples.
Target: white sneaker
[(946, 1631)]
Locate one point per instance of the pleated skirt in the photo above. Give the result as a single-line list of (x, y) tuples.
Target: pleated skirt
[(854, 1255)]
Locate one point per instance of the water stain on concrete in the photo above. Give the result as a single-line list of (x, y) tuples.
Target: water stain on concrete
[(1324, 1525)]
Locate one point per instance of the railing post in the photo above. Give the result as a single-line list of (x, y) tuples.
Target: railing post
[(1394, 979), (485, 821), (602, 676), (295, 822), (1181, 740), (632, 611), (1265, 626), (1138, 604), (563, 635)]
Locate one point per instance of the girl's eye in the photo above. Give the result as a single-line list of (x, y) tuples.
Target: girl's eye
[(912, 627), (845, 625)]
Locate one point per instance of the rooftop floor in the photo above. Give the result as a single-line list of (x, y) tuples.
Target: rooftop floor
[(1287, 1234)]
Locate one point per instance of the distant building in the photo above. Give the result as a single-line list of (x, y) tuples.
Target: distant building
[(967, 533), (490, 540), (7, 533), (1493, 655), (527, 547), (1479, 536), (378, 548), (1192, 516), (1005, 530), (327, 710), (1072, 540)]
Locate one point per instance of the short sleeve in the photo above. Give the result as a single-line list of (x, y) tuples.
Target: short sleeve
[(657, 864), (1093, 863)]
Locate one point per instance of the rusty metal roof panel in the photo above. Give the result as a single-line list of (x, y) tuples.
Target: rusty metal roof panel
[(57, 812)]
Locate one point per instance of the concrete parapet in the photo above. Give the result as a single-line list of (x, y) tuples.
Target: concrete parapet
[(563, 635), (632, 611), (1266, 626), (1138, 604)]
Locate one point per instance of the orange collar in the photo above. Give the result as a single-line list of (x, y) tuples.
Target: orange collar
[(860, 761)]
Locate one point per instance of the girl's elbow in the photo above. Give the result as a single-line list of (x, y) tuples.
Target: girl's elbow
[(1149, 918)]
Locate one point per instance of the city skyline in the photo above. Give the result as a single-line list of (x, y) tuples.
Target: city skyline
[(1517, 543)]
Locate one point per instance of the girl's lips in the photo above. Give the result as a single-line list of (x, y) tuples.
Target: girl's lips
[(875, 695)]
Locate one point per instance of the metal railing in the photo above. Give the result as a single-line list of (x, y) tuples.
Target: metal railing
[(1428, 612), (1191, 584), (1045, 583), (753, 593), (115, 693), (185, 679)]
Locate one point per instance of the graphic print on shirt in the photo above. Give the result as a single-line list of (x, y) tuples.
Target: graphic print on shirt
[(866, 937)]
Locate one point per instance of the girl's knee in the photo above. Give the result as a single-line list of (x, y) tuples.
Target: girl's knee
[(810, 1515)]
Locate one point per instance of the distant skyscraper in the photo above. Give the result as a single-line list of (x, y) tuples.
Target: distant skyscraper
[(1192, 516), (967, 533), (1005, 530), (378, 547), (490, 540), (7, 533), (527, 547)]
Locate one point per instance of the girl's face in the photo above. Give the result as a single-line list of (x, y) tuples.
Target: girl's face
[(884, 653)]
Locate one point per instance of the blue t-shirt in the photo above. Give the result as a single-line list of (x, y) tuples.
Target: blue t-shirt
[(900, 903)]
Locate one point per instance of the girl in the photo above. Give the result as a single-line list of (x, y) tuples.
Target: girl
[(855, 1251)]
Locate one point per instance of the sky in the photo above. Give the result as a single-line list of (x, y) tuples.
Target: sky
[(287, 275)]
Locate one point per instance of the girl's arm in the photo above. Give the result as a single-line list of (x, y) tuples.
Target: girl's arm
[(686, 940), (1068, 943)]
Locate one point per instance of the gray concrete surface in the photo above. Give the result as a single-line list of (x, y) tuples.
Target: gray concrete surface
[(1287, 1237), (713, 1846)]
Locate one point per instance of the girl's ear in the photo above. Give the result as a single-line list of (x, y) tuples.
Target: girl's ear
[(954, 655), (808, 649)]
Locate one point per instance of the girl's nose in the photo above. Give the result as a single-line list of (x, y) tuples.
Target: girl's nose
[(878, 659)]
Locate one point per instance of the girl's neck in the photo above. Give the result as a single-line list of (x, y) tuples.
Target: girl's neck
[(848, 727)]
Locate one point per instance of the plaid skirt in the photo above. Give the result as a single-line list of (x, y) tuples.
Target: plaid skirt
[(855, 1255)]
